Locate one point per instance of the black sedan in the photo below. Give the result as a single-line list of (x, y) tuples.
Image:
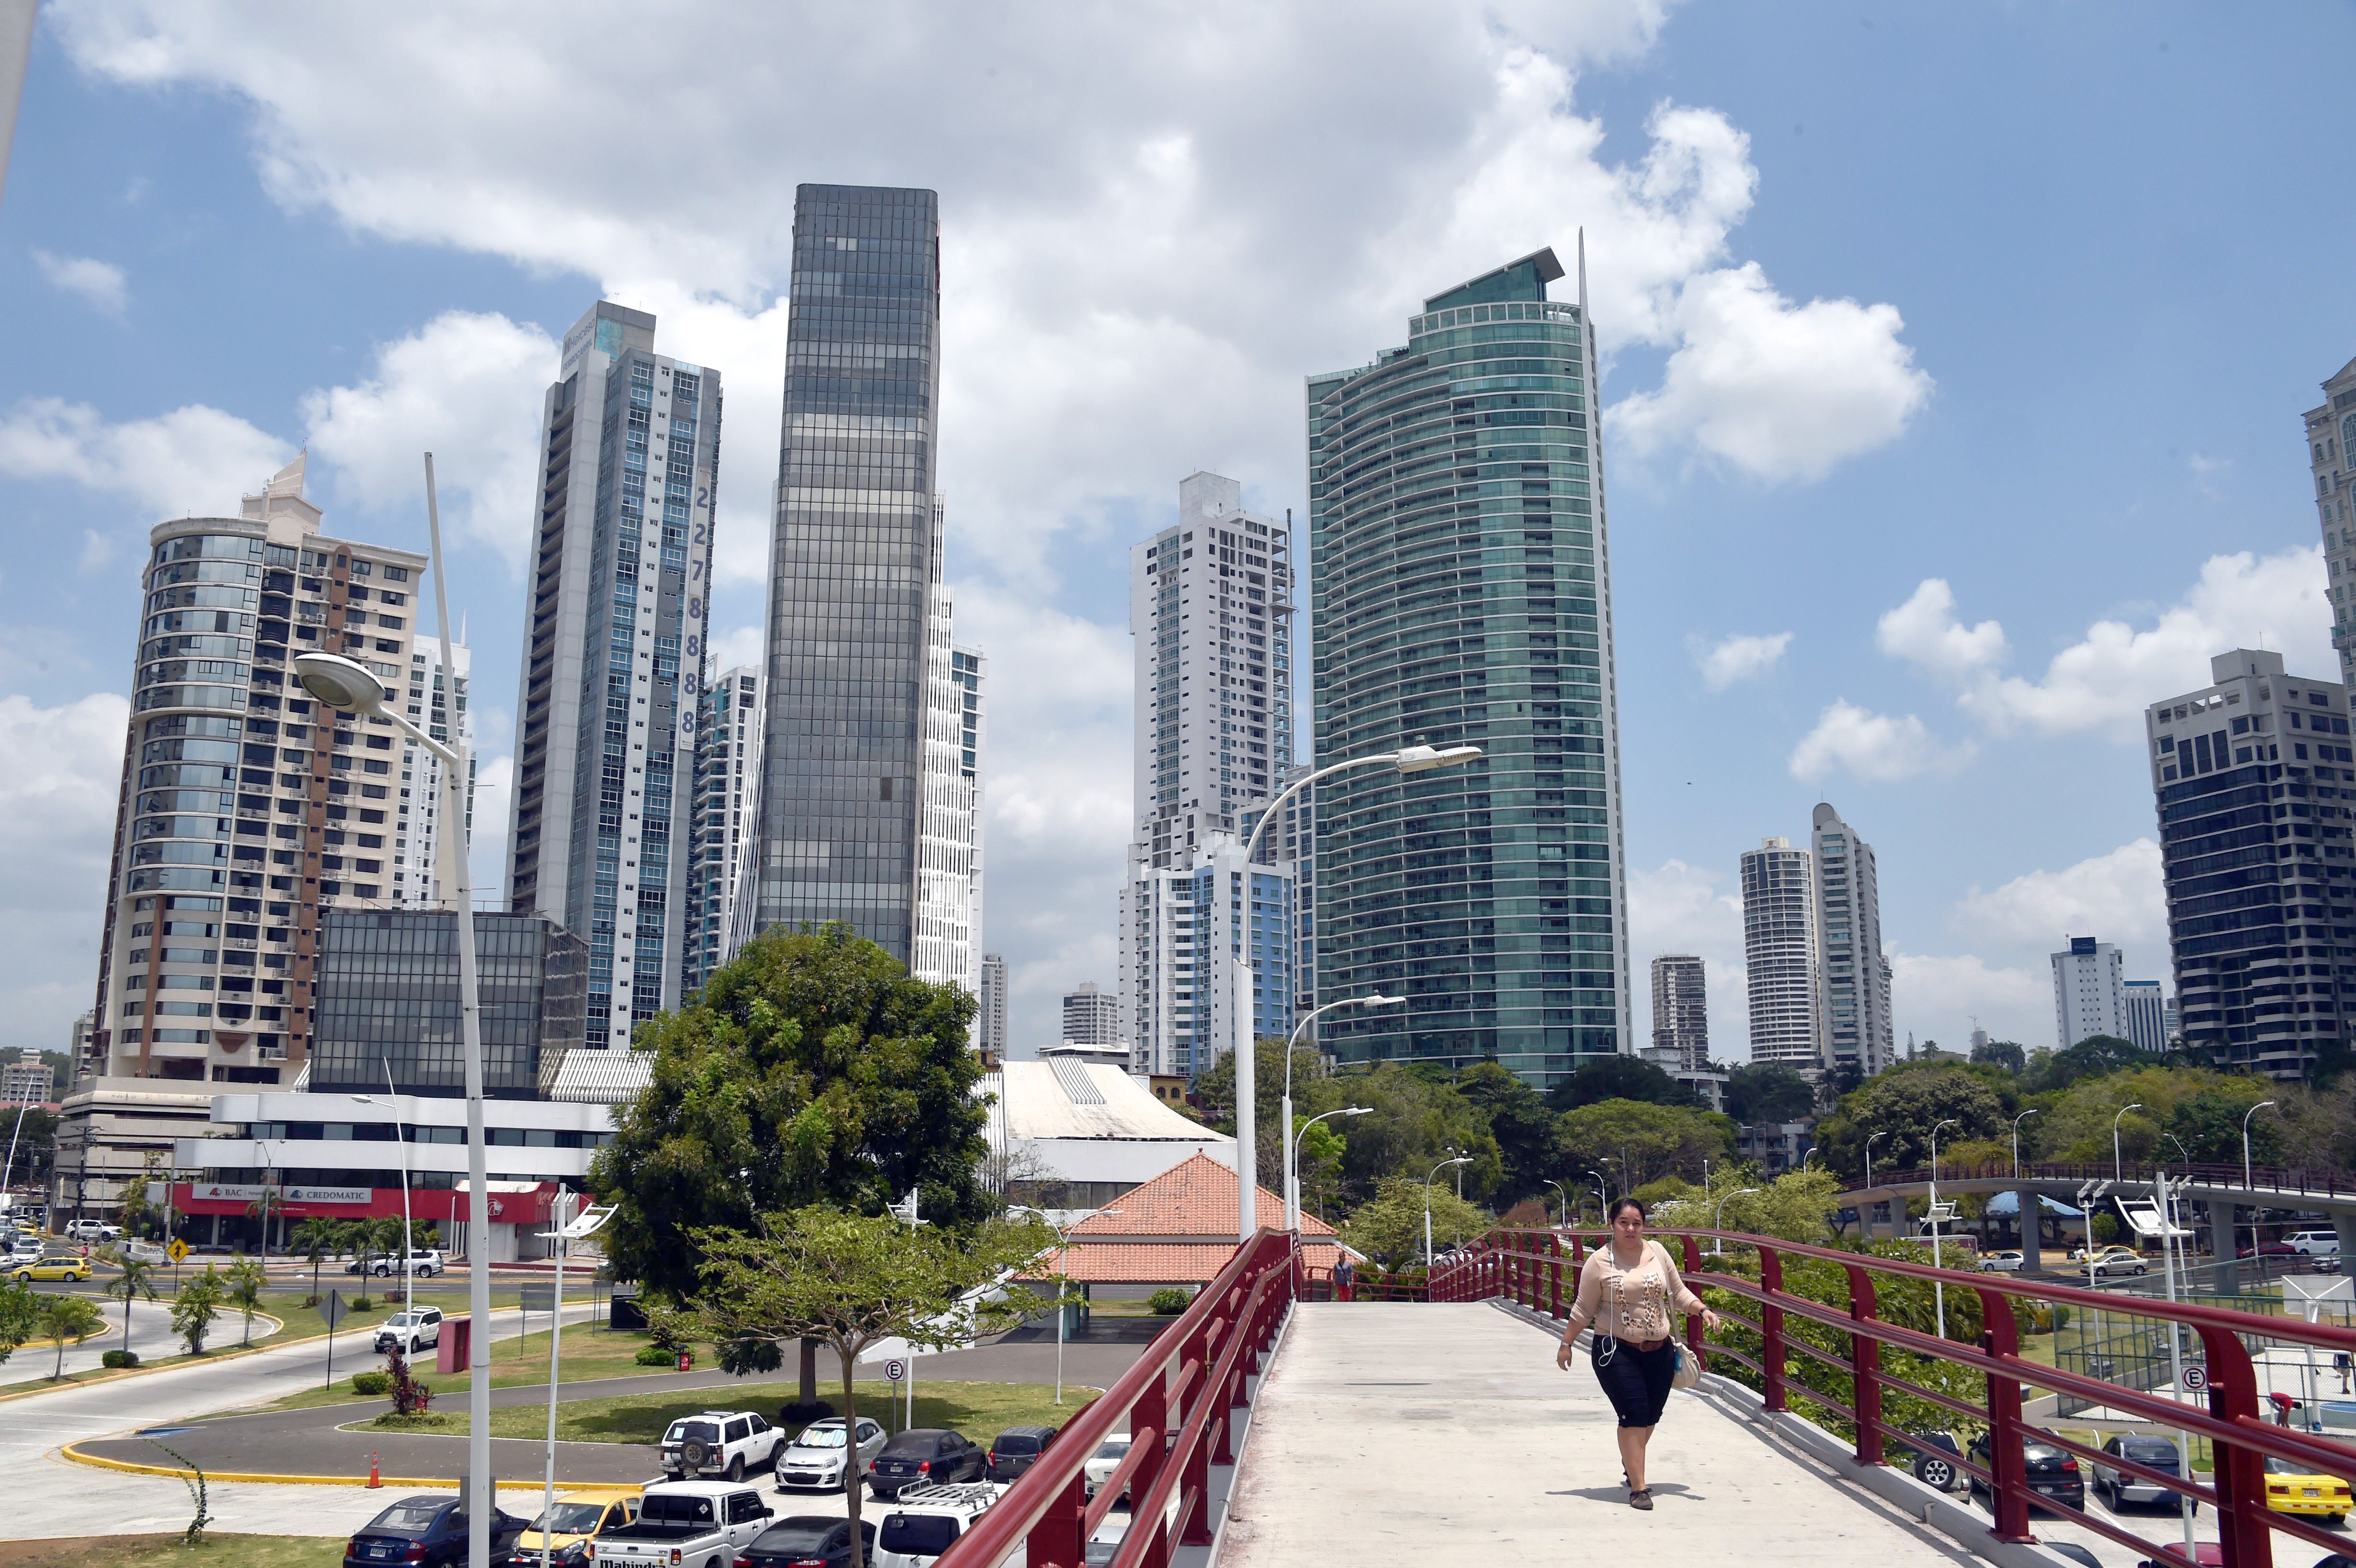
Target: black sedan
[(424, 1531), (2052, 1472), (1016, 1450), (807, 1540), (925, 1456)]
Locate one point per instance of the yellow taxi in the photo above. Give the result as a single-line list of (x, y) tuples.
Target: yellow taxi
[(578, 1518), (51, 1268), (2290, 1489)]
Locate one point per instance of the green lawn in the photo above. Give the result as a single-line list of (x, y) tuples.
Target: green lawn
[(590, 1351), (155, 1550)]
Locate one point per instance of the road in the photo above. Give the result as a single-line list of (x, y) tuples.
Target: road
[(151, 1337)]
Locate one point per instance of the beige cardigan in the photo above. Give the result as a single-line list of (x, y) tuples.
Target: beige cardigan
[(1630, 1304)]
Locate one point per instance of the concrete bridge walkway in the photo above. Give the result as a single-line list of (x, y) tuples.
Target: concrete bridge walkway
[(1441, 1433)]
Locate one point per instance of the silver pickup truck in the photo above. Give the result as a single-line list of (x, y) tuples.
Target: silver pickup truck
[(689, 1524)]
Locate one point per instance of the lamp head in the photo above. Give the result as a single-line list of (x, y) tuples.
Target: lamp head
[(339, 683), (1359, 1111), (1379, 1000), (1423, 759)]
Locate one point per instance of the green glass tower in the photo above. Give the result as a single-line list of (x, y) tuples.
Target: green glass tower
[(1459, 592)]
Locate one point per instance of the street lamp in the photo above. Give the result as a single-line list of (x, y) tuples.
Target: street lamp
[(1063, 1284), (2116, 1177), (2016, 1140), (1603, 1197), (1864, 1223), (1407, 760), (349, 686), (408, 1225), (560, 1240), (2250, 1185), (1938, 1259), (1443, 1165), (1718, 1248), (1292, 1163), (1563, 1194), (1291, 1174)]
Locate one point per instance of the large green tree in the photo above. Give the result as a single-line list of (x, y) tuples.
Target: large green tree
[(1521, 1124), (1415, 1120), (1389, 1227), (1634, 1143), (810, 1069), (1767, 1092), (1617, 1078), (1905, 1104), (1215, 1091), (2092, 1057)]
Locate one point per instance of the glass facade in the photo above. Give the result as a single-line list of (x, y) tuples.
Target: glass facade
[(389, 999), (855, 554), (1459, 592)]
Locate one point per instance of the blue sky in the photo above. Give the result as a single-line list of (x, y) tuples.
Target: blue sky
[(1939, 340)]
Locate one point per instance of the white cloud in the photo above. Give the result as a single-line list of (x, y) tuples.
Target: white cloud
[(57, 826), (2100, 683), (2117, 896), (1939, 998), (1738, 657), (101, 284), (97, 551), (1874, 747), (740, 646), (1781, 392), (1679, 908), (193, 459)]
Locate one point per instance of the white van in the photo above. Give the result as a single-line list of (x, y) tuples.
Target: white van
[(2315, 1243)]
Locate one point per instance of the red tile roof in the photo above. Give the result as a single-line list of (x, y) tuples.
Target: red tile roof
[(1195, 1200), (1162, 1262)]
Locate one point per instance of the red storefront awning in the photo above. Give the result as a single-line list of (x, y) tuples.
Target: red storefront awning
[(510, 1205)]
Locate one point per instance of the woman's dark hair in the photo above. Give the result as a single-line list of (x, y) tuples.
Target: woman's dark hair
[(1619, 1204)]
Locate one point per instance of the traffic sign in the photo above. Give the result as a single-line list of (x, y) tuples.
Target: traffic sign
[(177, 1250), (2196, 1378), (537, 1297), (333, 1309), (895, 1371)]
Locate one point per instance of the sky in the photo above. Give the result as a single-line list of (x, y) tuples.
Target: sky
[(1954, 366)]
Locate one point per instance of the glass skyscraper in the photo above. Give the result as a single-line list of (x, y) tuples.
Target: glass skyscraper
[(854, 568), (1459, 584)]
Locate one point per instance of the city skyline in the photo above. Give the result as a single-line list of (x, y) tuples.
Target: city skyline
[(1930, 686)]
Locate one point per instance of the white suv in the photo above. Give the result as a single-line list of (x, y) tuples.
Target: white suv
[(409, 1332), (719, 1443), (925, 1521), (92, 1231), (425, 1262)]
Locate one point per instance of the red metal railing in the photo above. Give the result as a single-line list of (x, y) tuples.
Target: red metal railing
[(1539, 1269), (2264, 1180), (1180, 1398)]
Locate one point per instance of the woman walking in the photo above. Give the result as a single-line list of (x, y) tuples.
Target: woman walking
[(1626, 1289)]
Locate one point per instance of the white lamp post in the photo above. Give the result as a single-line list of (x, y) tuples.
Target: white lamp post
[(1062, 1285), (1562, 1193), (2016, 1139), (1863, 1223), (1292, 1163), (561, 1241), (408, 1225), (2249, 1185), (1718, 1213), (337, 682), (1938, 1288), (1292, 1168), (1603, 1197), (2116, 1175), (1443, 1165), (1407, 760)]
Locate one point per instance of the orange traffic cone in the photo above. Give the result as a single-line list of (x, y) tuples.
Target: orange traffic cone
[(375, 1481)]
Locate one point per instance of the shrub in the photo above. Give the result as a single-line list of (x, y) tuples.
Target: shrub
[(654, 1356), (119, 1358), (1168, 1303), (361, 1304), (372, 1383)]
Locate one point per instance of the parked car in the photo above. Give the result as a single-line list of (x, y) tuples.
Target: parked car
[(2205, 1555), (2052, 1472), (1934, 1462), (24, 1247), (2074, 1553), (2006, 1262), (1101, 1464), (1016, 1449), (927, 1520), (2118, 1260), (409, 1332), (2314, 1244), (1111, 1533), (719, 1443), (815, 1457), (92, 1231), (925, 1456), (62, 1266), (2290, 1489), (807, 1540), (424, 1531), (576, 1518), (2118, 1488), (696, 1522), (2269, 1250)]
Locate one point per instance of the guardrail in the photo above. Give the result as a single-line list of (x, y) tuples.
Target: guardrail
[(2279, 1182), (1530, 1267), (1180, 1398)]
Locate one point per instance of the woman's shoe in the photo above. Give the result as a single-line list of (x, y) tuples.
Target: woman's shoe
[(1641, 1498)]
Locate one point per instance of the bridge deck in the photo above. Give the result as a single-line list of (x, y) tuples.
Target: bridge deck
[(1442, 1434)]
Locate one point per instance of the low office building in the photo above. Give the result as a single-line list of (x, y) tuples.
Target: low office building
[(113, 1132)]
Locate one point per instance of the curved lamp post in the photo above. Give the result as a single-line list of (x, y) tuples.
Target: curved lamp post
[(1291, 1169), (1718, 1213), (1292, 1163), (2251, 1187), (2116, 1176), (1562, 1193), (1938, 1288), (1443, 1165), (1062, 1282), (2016, 1139), (1407, 760)]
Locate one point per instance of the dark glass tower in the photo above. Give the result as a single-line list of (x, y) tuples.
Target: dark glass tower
[(1460, 593), (852, 563)]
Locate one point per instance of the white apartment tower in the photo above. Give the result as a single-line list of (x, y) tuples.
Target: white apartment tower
[(2146, 1015), (1680, 1013), (1091, 1016), (1213, 712), (1857, 1025), (1182, 933), (723, 818), (1781, 956), (947, 933), (2089, 993), (989, 1020), (420, 877)]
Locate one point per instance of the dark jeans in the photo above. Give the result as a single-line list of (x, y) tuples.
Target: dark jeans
[(1635, 1381)]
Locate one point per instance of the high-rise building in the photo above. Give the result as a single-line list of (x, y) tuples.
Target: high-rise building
[(2331, 460), (2089, 992), (947, 929), (244, 809), (1680, 1012), (724, 820), (989, 1020), (2254, 918), (1781, 956), (1210, 608), (854, 564), (1091, 1016), (421, 879), (616, 618), (1182, 934), (1460, 593), (1859, 1032), (2146, 1015), (27, 1081), (1291, 844)]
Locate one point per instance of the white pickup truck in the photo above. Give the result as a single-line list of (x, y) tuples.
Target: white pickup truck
[(686, 1524)]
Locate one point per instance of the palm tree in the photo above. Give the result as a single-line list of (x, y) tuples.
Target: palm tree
[(246, 1280), (133, 1281), (316, 1238), (68, 1317), (360, 1236), (272, 1201)]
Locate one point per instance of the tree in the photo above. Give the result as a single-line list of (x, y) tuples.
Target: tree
[(1414, 1122), (195, 1306), (1519, 1120), (2003, 1053), (1618, 1078), (2092, 1057), (137, 1279), (34, 1131), (20, 1312), (1389, 1227), (1322, 1152), (1767, 1092), (1636, 1143), (242, 1288), (1905, 1104), (317, 1240), (358, 1237), (1215, 1089), (847, 1281), (63, 1318)]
